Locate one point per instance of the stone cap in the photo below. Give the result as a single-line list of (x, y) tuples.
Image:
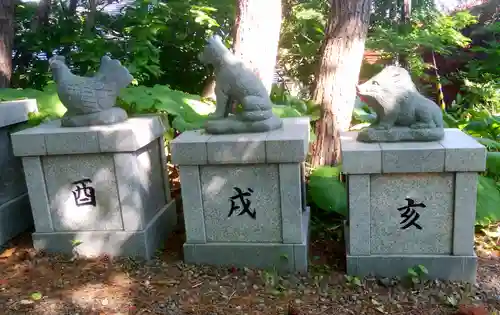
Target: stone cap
[(51, 139), (457, 152), (14, 112), (289, 144)]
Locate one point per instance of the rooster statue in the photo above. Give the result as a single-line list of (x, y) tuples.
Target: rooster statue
[(90, 100)]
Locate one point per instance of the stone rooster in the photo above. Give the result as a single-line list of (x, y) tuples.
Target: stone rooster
[(90, 100)]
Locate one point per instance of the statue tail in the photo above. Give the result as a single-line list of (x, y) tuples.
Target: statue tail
[(111, 70)]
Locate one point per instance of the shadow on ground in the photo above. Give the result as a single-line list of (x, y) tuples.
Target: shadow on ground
[(36, 283)]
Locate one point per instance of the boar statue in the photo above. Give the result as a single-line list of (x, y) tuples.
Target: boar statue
[(403, 114)]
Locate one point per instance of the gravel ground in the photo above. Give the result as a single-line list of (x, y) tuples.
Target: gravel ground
[(34, 283)]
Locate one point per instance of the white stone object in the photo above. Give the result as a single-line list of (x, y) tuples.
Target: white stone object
[(104, 188), (15, 212), (268, 227), (384, 178)]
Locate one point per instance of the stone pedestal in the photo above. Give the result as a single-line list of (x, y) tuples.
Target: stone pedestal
[(15, 212), (98, 190), (243, 197), (412, 203)]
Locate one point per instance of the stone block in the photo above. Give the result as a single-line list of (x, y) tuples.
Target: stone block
[(412, 157), (37, 191), (14, 112), (290, 183), (237, 148), (433, 232), (462, 152), (239, 201), (290, 143), (359, 214), (51, 139), (444, 267), (261, 183), (15, 212), (190, 148), (15, 217), (194, 218), (274, 256), (465, 213), (104, 194), (359, 157), (143, 243), (415, 210)]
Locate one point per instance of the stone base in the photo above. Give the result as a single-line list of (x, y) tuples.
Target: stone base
[(110, 116), (274, 256), (15, 218), (444, 267), (232, 125), (142, 243), (401, 134)]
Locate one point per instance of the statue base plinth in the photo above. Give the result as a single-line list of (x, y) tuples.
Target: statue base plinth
[(98, 190), (400, 134), (109, 116), (243, 197), (411, 204), (15, 212), (231, 125)]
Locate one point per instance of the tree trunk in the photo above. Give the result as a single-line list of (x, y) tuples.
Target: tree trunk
[(337, 76), (209, 88), (256, 36), (91, 15), (42, 15), (6, 41)]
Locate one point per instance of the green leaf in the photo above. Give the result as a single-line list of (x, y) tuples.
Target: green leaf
[(493, 163), (285, 111), (422, 269), (356, 281), (326, 190), (488, 199), (489, 143), (35, 296), (412, 272), (75, 243)]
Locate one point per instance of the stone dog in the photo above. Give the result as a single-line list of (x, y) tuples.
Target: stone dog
[(236, 82), (403, 114)]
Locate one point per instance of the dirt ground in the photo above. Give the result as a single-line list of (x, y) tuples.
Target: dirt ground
[(36, 283)]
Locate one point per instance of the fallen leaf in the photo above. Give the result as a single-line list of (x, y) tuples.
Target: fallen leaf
[(472, 310), (35, 296), (375, 302), (8, 252)]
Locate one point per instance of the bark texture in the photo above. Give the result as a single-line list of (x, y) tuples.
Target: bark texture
[(256, 36), (337, 76), (6, 41)]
